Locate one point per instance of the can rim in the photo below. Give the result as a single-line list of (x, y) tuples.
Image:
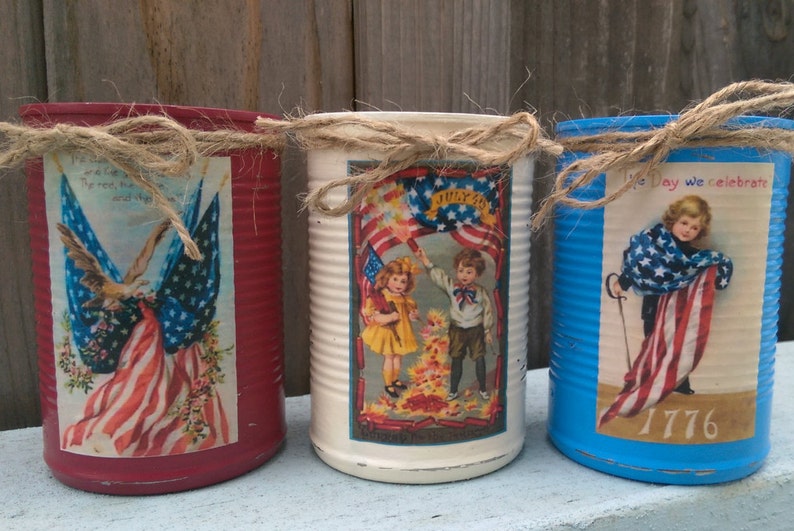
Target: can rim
[(410, 116), (111, 110), (586, 126)]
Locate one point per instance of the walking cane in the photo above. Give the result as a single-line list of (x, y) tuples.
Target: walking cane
[(620, 299)]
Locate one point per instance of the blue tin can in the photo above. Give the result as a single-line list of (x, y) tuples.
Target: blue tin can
[(665, 311)]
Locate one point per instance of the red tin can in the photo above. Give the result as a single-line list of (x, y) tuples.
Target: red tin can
[(158, 372)]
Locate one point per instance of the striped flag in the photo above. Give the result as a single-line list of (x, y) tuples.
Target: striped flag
[(132, 413), (671, 351), (386, 219), (465, 204), (369, 272), (424, 200), (161, 398)]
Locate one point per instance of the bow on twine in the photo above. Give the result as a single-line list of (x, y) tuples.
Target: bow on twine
[(144, 147), (703, 125), (501, 142), (151, 146)]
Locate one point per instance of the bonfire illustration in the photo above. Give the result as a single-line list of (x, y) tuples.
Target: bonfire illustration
[(424, 403)]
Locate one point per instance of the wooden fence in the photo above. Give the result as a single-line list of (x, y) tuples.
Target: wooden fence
[(559, 58)]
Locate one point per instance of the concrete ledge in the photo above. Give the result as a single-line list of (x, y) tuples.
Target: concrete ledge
[(541, 489)]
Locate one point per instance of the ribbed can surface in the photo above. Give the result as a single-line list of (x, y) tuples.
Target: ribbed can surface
[(665, 312), (158, 372), (385, 403)]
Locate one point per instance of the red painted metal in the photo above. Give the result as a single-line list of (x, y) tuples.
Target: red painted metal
[(255, 193)]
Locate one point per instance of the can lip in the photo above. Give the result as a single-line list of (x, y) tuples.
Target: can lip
[(353, 123), (629, 123), (106, 111), (411, 116)]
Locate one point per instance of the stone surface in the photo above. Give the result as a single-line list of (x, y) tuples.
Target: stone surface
[(541, 489)]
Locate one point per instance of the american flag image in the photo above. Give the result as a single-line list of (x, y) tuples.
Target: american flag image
[(686, 285), (467, 223), (656, 264), (132, 414), (671, 351), (369, 272), (159, 397), (98, 334), (372, 265), (402, 209)]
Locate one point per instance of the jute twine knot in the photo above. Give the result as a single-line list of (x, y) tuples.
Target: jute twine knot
[(703, 125), (144, 147), (492, 143), (148, 147)]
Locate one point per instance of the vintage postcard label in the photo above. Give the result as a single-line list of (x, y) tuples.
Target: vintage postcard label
[(144, 336), (684, 267), (429, 291)]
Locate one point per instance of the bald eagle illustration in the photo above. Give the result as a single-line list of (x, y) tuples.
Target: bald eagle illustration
[(108, 293), (104, 306), (155, 346)]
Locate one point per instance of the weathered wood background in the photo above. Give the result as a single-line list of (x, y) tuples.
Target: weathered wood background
[(560, 58)]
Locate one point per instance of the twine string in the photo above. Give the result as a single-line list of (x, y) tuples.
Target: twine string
[(148, 147), (403, 146), (703, 125), (144, 147)]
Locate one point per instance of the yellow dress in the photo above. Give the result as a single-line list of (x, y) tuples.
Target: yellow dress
[(394, 338)]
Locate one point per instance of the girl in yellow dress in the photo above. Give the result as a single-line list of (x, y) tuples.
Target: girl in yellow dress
[(388, 313)]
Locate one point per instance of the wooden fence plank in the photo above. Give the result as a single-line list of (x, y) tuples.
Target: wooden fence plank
[(271, 56), (445, 56), (565, 59), (23, 81), (587, 59)]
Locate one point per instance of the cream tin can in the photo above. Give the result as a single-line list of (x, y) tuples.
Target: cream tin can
[(419, 312)]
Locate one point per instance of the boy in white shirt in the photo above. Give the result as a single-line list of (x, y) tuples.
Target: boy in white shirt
[(471, 314)]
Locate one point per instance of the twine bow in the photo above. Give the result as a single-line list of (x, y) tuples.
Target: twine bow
[(149, 146), (703, 125), (144, 147), (492, 144)]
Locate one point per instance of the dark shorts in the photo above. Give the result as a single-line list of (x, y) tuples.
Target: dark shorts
[(462, 340)]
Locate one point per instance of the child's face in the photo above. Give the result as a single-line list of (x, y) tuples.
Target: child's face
[(686, 228), (466, 274), (398, 283)]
